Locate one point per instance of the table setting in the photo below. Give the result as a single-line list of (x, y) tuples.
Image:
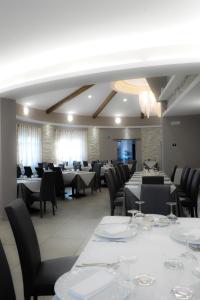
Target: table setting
[(136, 258)]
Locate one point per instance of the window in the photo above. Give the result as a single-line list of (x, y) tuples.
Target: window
[(70, 145), (29, 146)]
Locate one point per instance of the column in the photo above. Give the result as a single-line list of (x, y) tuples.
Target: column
[(7, 152)]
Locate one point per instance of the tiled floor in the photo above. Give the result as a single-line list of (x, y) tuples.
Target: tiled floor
[(62, 235)]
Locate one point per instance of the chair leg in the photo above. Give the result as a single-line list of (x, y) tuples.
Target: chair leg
[(44, 206), (35, 297), (41, 210), (196, 211), (192, 212), (53, 208)]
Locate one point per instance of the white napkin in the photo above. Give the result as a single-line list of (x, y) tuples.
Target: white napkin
[(91, 286)]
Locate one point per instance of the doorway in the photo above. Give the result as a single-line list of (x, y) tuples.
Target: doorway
[(126, 150)]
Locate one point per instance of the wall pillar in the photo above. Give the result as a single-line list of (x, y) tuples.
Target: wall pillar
[(8, 185), (48, 143), (93, 144)]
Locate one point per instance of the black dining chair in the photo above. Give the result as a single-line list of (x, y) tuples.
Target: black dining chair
[(115, 201), (59, 182), (155, 197), (61, 166), (119, 176), (39, 276), (40, 165), (46, 194), (28, 171), (97, 170), (19, 172), (186, 192), (7, 291), (153, 180), (50, 166), (85, 163), (39, 171), (184, 176), (119, 190), (133, 167), (173, 173), (191, 201)]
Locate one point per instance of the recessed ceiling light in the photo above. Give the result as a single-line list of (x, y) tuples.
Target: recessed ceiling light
[(89, 96), (26, 111), (118, 120), (70, 118), (125, 99), (28, 104)]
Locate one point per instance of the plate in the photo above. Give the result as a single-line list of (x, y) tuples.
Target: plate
[(187, 234), (116, 231), (66, 281), (157, 220)]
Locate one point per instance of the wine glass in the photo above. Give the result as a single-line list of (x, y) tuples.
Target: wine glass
[(139, 213), (172, 217), (133, 212)]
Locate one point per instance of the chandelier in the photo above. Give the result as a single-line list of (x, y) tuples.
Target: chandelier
[(147, 101)]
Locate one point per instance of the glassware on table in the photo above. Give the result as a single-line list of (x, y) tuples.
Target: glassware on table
[(172, 217), (182, 292), (133, 212), (144, 279), (125, 270), (139, 213)]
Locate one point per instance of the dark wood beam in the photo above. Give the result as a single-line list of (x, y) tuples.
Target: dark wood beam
[(68, 98), (104, 103)]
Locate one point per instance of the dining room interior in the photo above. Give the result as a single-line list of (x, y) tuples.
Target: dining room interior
[(99, 150)]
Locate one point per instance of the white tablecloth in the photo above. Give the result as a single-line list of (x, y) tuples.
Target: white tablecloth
[(151, 249), (134, 184), (33, 184), (104, 169), (68, 176)]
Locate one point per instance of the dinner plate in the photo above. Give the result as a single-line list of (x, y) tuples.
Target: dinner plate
[(187, 234), (66, 281), (116, 231)]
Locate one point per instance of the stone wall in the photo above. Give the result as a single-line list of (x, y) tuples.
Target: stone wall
[(93, 144), (48, 143), (151, 144)]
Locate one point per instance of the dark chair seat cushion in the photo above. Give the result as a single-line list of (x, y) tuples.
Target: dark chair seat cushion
[(186, 201), (49, 272)]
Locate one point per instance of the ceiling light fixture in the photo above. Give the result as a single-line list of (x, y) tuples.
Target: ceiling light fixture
[(70, 118), (89, 96), (26, 111), (147, 101), (125, 99), (118, 120)]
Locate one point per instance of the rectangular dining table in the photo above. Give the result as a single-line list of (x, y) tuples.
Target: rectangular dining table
[(151, 250)]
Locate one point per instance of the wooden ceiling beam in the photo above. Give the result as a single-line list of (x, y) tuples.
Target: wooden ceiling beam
[(103, 104), (68, 98)]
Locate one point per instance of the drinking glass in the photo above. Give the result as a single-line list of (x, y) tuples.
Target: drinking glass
[(139, 213), (172, 217)]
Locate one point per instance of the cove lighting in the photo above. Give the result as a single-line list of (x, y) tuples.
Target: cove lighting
[(26, 111), (118, 120), (70, 118)]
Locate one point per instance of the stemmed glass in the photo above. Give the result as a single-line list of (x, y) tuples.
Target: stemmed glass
[(139, 213), (133, 212), (172, 217)]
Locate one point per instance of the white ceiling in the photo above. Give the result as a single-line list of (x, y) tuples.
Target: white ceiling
[(82, 105), (48, 39), (49, 48)]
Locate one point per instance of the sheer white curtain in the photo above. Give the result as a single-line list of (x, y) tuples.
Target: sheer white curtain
[(70, 145), (29, 145)]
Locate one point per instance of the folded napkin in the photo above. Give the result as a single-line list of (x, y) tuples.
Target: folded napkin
[(92, 285)]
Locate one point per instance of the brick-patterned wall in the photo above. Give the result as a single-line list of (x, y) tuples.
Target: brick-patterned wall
[(93, 144), (151, 144), (48, 143)]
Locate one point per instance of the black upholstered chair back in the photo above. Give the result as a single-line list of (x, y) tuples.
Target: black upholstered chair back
[(173, 173), (115, 178), (85, 163), (155, 198), (189, 181), (126, 171), (26, 240), (19, 172), (133, 167), (39, 171), (6, 285), (97, 170), (153, 180), (61, 166), (184, 177), (119, 176), (47, 189), (194, 189), (59, 182), (40, 165), (28, 171), (50, 166), (123, 175)]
